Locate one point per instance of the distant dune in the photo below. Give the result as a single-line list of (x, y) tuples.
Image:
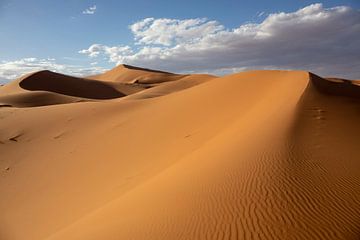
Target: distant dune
[(130, 74), (143, 154)]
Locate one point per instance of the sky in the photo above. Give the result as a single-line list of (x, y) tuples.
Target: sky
[(83, 37)]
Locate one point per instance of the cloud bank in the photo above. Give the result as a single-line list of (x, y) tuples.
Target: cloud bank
[(315, 38)]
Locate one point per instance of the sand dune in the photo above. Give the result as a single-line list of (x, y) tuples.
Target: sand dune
[(36, 98), (253, 155), (130, 74), (77, 87), (48, 88), (166, 88)]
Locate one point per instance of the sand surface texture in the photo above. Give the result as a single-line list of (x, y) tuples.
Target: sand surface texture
[(141, 154)]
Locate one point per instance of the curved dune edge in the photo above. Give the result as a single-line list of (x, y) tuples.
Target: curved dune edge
[(130, 74), (254, 155), (172, 86), (336, 86), (70, 86), (37, 99), (49, 88)]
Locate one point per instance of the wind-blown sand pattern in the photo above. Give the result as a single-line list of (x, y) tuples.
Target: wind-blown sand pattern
[(141, 154)]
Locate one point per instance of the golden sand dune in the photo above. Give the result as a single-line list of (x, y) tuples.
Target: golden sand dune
[(130, 74), (254, 155), (36, 98), (48, 88), (172, 86)]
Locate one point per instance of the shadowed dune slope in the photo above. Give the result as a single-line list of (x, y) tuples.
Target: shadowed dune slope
[(71, 86), (254, 155), (336, 86), (130, 74), (49, 88)]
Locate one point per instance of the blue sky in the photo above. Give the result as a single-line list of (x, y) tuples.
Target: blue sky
[(58, 30)]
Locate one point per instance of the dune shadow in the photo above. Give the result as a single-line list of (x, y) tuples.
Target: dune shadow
[(70, 86), (341, 87), (146, 69)]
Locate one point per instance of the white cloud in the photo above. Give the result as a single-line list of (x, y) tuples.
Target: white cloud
[(260, 14), (166, 32), (10, 70), (90, 10), (114, 53), (314, 38)]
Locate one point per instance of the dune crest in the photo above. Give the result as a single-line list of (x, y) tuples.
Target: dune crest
[(252, 155), (66, 85), (130, 74), (49, 88)]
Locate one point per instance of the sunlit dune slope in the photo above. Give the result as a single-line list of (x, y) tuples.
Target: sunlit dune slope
[(130, 74), (166, 88), (253, 155)]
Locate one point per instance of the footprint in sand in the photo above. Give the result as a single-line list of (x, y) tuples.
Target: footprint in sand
[(15, 138)]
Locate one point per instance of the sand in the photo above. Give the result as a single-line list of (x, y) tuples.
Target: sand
[(130, 74), (252, 155)]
